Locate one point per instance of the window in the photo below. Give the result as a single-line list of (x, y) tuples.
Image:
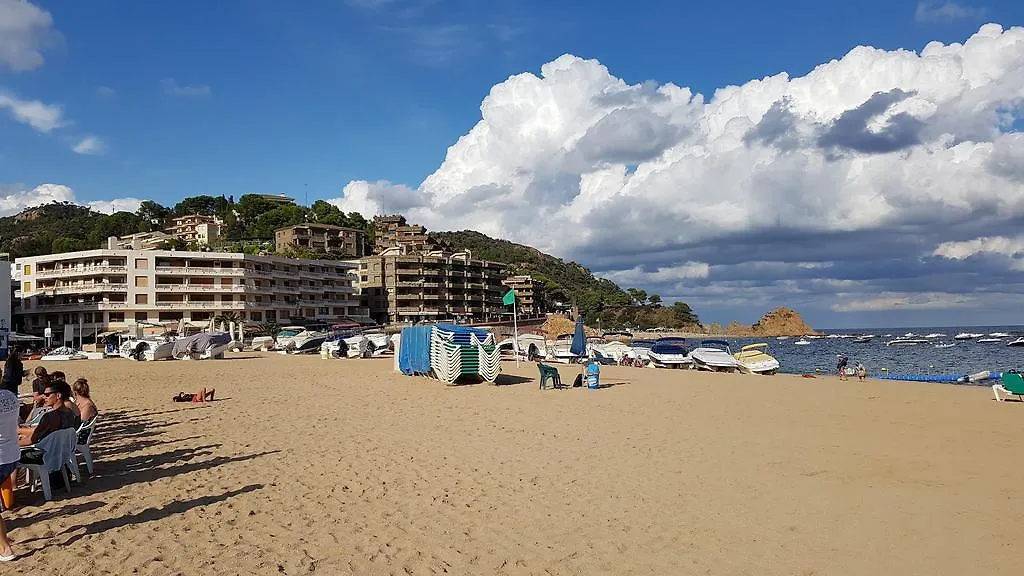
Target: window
[(141, 281), (142, 298), (28, 270), (116, 316), (27, 287), (141, 263), (141, 316), (256, 316)]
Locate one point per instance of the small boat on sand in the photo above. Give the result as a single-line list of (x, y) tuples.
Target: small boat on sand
[(714, 355), (755, 359)]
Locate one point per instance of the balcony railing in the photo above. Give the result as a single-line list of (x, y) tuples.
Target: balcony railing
[(199, 271), (204, 305), (79, 271), (198, 288), (84, 288)]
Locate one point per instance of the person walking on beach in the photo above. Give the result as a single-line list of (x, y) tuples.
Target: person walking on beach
[(843, 361), (10, 453)]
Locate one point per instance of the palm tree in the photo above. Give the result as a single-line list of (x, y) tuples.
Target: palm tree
[(226, 318), (269, 329)]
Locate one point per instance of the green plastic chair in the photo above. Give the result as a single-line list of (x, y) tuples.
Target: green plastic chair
[(549, 372), (1013, 383)]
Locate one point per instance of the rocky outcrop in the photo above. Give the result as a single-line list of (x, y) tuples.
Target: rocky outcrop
[(778, 322)]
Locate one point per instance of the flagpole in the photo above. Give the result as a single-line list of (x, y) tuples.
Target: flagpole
[(515, 326)]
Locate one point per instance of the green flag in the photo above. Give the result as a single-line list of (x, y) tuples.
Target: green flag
[(509, 298)]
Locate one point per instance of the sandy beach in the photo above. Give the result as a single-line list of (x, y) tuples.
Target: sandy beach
[(346, 467)]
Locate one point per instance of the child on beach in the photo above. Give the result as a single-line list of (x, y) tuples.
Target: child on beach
[(862, 372)]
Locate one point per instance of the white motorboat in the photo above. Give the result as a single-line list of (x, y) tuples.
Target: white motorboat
[(815, 337), (641, 349), (802, 342), (946, 345), (833, 336), (615, 350), (151, 348), (558, 349), (967, 336), (286, 335), (1017, 342), (934, 335), (782, 338), (533, 346), (989, 340), (714, 355), (755, 359), (670, 353), (862, 338), (907, 342), (999, 335)]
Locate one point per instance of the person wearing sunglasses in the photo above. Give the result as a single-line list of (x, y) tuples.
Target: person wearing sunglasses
[(58, 418)]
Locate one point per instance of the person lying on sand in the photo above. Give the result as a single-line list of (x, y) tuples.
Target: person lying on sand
[(203, 395)]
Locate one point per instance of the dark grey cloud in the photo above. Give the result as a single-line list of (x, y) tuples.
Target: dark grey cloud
[(850, 131), (777, 127), (628, 136)]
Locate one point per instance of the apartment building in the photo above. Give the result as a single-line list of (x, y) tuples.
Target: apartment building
[(395, 232), (113, 289), (139, 241), (339, 240), (399, 286), (529, 295), (195, 228)]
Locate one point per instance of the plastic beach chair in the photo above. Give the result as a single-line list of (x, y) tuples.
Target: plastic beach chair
[(83, 437), (1012, 383), (549, 372), (58, 453)]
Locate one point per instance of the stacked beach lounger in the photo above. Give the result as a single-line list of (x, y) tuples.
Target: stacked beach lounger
[(459, 352)]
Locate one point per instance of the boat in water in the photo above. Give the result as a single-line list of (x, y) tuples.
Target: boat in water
[(905, 341), (1017, 342), (934, 335), (967, 336), (946, 345), (802, 342), (714, 355), (862, 338), (989, 340), (755, 359)]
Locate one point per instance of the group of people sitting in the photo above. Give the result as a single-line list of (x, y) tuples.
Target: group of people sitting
[(54, 405)]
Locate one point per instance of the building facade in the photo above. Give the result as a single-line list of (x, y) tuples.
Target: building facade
[(395, 232), (399, 286), (114, 289), (334, 240), (529, 295), (139, 241), (195, 228)]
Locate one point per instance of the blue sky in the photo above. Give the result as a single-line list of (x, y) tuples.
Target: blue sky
[(234, 96), (303, 100)]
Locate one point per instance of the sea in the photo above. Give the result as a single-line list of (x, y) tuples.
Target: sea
[(966, 357)]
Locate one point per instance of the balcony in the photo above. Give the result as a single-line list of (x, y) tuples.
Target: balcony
[(198, 288), (199, 271), (79, 271), (84, 288), (203, 305)]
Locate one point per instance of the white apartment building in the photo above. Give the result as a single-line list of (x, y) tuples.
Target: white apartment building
[(196, 228), (109, 290)]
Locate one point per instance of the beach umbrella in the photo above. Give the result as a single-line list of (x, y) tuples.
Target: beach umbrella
[(579, 340)]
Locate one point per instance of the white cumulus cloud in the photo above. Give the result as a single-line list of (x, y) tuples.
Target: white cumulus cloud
[(868, 157), (14, 200), (25, 30)]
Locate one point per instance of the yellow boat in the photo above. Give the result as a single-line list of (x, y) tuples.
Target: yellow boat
[(755, 359)]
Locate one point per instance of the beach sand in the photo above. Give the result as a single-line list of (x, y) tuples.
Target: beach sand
[(345, 467)]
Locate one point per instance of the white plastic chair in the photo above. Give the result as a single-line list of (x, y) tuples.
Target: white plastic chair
[(58, 454), (85, 432)]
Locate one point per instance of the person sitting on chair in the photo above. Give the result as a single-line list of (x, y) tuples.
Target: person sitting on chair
[(58, 418)]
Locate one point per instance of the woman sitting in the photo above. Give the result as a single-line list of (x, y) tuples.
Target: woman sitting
[(86, 407)]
